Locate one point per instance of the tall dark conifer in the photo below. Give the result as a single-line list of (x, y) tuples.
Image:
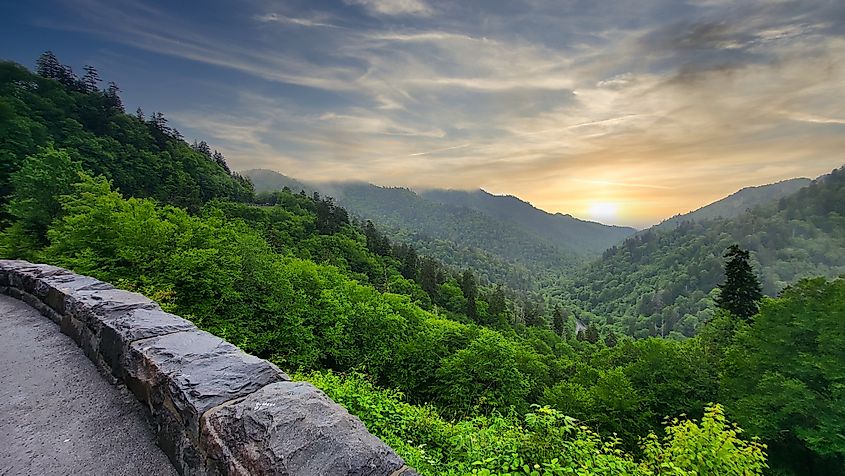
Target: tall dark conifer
[(91, 79), (47, 65), (740, 294)]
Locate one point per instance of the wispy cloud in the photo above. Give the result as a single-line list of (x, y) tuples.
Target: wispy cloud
[(286, 20), (394, 7), (560, 103)]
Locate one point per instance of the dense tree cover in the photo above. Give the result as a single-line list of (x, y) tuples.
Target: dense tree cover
[(738, 203), (458, 236), (581, 237), (292, 278), (225, 276), (663, 282), (784, 377), (142, 157)]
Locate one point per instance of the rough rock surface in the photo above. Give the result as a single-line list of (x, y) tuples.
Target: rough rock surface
[(292, 428), (182, 375), (118, 333)]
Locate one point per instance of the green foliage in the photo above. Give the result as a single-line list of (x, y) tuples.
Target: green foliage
[(712, 448), (784, 376), (543, 442), (38, 184), (294, 280)]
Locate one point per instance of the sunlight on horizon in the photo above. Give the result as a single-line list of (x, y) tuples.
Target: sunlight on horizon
[(602, 211)]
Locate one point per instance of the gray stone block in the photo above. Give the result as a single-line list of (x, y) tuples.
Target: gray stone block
[(195, 371), (118, 333), (183, 375), (55, 290), (25, 276), (292, 429), (86, 310)]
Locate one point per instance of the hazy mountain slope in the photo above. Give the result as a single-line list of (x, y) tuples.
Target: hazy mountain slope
[(269, 181), (459, 236), (564, 231), (661, 280), (739, 202), (456, 235)]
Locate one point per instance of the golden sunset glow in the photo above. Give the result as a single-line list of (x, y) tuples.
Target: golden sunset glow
[(607, 211)]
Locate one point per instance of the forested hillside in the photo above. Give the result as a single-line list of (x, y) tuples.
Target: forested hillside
[(459, 377), (662, 282), (738, 203), (564, 231), (268, 181), (503, 238)]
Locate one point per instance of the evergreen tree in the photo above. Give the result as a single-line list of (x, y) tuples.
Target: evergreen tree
[(410, 263), (591, 334), (429, 274), (48, 65), (203, 148), (113, 96), (740, 294), (91, 79), (221, 161)]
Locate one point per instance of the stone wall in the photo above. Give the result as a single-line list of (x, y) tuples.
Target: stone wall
[(217, 410)]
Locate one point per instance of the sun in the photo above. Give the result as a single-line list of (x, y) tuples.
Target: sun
[(603, 210)]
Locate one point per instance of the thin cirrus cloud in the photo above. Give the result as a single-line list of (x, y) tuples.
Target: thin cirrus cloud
[(658, 107)]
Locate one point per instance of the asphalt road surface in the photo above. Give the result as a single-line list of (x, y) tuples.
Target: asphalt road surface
[(58, 415)]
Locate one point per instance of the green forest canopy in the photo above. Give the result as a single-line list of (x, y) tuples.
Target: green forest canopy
[(433, 363)]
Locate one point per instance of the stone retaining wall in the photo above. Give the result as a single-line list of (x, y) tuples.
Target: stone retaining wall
[(218, 410)]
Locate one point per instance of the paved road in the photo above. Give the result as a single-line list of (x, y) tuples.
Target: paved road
[(58, 416)]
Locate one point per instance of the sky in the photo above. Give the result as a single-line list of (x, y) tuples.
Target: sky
[(621, 111)]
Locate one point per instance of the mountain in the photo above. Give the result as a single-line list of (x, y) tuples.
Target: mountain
[(662, 280), (504, 238), (564, 231), (269, 181), (738, 203)]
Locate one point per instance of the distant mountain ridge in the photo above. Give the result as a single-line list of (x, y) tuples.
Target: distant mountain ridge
[(662, 280), (738, 203), (504, 238), (565, 231)]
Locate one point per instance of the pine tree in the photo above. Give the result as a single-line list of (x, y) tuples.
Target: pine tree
[(91, 79), (48, 66), (221, 161), (591, 334), (740, 294), (113, 95), (429, 276)]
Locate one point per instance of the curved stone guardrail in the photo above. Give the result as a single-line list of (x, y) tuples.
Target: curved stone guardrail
[(218, 410)]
